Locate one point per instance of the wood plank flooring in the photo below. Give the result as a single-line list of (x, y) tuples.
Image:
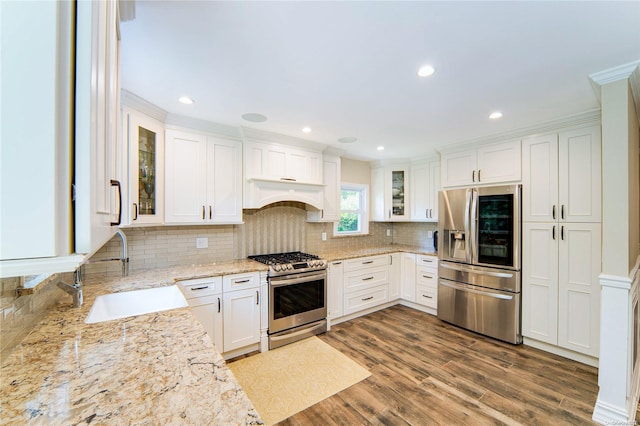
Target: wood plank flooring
[(427, 372)]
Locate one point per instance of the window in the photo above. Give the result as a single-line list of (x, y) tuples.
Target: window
[(354, 211)]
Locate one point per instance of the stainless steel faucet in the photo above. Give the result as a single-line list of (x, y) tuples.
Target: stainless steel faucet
[(123, 258), (74, 290)]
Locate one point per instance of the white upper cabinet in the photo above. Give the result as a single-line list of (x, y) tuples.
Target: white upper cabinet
[(496, 163), (562, 176), (390, 193), (203, 179), (425, 184), (331, 203), (146, 169), (274, 162), (65, 74)]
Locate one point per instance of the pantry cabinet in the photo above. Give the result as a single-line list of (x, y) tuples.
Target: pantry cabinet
[(425, 184), (203, 179), (560, 293), (562, 176), (390, 193), (495, 163), (146, 169)]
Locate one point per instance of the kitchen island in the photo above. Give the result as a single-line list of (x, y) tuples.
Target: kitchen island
[(158, 368)]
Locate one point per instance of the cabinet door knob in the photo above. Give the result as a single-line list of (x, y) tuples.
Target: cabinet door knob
[(135, 209), (219, 305), (116, 183), (479, 175), (562, 212), (473, 175), (257, 297), (562, 232), (203, 213), (210, 209), (553, 212), (554, 232)]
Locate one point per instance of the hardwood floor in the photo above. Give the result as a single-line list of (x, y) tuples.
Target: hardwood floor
[(427, 372)]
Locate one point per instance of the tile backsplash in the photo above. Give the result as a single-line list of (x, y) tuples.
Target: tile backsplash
[(279, 227)]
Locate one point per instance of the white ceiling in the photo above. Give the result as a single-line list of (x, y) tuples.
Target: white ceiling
[(350, 68)]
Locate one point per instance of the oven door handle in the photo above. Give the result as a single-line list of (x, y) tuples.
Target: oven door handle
[(281, 281), (296, 333)]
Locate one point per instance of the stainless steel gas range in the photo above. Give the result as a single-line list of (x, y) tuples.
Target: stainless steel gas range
[(297, 296)]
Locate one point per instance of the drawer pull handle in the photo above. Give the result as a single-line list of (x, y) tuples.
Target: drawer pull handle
[(428, 297), (199, 288), (367, 279), (242, 281), (367, 262), (367, 298), (288, 179), (257, 297), (337, 263), (427, 276), (427, 260)]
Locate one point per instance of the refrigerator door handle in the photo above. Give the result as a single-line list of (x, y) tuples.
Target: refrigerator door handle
[(473, 237), (467, 225)]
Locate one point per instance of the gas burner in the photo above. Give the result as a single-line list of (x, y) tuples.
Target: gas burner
[(290, 263)]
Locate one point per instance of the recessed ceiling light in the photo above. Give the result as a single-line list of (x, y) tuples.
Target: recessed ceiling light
[(347, 139), (426, 71), (380, 148), (494, 115), (306, 129), (185, 100), (254, 117)]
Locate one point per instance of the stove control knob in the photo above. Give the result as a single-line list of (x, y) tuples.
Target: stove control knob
[(276, 268), (290, 267)]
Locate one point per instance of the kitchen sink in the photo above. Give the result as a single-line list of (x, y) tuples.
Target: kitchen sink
[(131, 303)]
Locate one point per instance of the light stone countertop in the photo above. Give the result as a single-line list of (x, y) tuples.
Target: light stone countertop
[(333, 255), (158, 368)]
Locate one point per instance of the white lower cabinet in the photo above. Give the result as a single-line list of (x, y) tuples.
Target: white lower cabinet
[(228, 308), (427, 281), (395, 276), (335, 293), (366, 283), (408, 276), (204, 296), (241, 310), (241, 318), (560, 285)]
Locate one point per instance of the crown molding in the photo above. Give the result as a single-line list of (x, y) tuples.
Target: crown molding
[(210, 127), (134, 101), (249, 133), (621, 72), (582, 119)]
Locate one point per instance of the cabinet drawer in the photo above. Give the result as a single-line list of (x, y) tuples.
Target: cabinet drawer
[(240, 281), (367, 298), (201, 287), (427, 261), (427, 296), (427, 276), (371, 277), (366, 262)]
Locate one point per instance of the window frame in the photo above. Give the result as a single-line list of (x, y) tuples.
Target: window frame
[(363, 189)]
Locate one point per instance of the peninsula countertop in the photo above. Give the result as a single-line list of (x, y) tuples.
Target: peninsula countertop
[(158, 368)]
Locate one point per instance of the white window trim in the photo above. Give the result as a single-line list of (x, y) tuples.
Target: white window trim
[(364, 225)]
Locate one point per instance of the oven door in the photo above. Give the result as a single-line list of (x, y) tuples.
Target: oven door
[(296, 300)]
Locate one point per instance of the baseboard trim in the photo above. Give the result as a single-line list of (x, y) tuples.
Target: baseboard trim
[(565, 353), (607, 414)]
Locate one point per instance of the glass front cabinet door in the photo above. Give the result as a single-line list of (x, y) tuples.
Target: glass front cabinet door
[(146, 167), (397, 178)]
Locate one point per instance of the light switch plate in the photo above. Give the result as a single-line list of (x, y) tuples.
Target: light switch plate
[(324, 236), (429, 234), (388, 232), (202, 242)]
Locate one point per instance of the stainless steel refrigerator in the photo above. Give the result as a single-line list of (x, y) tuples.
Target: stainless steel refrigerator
[(479, 286)]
